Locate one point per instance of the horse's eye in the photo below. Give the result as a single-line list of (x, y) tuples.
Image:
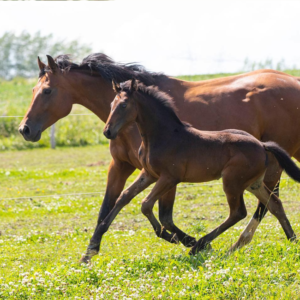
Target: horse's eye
[(124, 105), (47, 91)]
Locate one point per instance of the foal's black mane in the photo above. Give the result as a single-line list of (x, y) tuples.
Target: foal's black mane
[(103, 65), (157, 95)]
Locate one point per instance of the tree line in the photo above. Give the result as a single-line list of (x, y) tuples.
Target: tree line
[(18, 52)]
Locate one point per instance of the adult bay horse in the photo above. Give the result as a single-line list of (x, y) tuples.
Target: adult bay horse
[(173, 152), (264, 103)]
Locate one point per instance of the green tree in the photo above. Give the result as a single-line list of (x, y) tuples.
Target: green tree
[(18, 53)]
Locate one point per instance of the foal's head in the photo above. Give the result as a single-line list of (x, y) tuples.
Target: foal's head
[(123, 109)]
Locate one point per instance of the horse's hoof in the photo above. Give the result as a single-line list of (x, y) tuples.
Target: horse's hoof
[(84, 260), (233, 248)]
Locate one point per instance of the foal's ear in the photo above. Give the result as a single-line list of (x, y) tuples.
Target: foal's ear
[(52, 65), (116, 86), (134, 85), (41, 64)]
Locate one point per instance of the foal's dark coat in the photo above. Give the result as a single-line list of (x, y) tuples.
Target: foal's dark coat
[(173, 152)]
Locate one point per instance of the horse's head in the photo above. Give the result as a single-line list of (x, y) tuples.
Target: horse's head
[(123, 109), (50, 101)]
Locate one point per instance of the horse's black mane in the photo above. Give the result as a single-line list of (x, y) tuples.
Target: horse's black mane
[(101, 64), (153, 91)]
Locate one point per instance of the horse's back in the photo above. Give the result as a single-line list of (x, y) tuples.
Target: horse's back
[(258, 102)]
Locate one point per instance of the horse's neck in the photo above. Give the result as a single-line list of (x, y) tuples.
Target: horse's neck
[(154, 120), (93, 93)]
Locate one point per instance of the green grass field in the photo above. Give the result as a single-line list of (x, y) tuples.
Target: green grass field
[(45, 226), (43, 237)]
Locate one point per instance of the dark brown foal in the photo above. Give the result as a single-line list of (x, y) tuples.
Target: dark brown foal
[(173, 152)]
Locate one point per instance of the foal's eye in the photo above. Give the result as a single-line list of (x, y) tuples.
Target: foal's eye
[(47, 91), (123, 105)]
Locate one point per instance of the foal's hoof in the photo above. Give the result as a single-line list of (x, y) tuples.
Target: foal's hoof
[(197, 248), (171, 238), (86, 258), (189, 241)]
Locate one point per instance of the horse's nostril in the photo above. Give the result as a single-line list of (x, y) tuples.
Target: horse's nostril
[(26, 130), (108, 132)]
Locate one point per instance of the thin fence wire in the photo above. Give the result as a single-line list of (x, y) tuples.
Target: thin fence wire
[(94, 193), (45, 196), (68, 115)]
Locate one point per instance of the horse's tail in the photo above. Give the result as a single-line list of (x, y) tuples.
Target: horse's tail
[(283, 159)]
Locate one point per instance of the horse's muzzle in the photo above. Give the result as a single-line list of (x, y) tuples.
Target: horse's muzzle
[(29, 134)]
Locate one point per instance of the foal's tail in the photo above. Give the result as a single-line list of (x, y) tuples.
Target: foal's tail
[(283, 159)]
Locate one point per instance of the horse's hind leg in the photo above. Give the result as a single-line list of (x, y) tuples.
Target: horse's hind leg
[(271, 179), (166, 203), (274, 205)]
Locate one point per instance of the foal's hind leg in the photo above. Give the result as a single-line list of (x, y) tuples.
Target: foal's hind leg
[(166, 203), (237, 212), (271, 179), (274, 205)]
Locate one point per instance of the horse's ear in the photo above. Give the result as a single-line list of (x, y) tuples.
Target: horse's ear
[(41, 64), (51, 63), (134, 85), (116, 86)]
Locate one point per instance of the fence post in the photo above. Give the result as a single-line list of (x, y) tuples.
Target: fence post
[(52, 136)]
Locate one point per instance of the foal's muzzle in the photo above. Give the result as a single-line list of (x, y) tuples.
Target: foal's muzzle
[(108, 133)]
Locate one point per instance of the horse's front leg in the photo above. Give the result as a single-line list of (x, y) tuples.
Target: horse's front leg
[(118, 173), (166, 203), (141, 183)]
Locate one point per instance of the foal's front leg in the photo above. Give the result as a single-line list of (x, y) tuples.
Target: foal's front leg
[(166, 203), (142, 182), (163, 185)]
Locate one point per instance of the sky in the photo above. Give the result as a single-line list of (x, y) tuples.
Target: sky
[(174, 37)]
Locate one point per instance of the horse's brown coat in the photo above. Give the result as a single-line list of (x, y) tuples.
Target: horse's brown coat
[(264, 103)]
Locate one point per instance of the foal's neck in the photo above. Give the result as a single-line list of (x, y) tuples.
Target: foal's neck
[(92, 92), (155, 120)]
